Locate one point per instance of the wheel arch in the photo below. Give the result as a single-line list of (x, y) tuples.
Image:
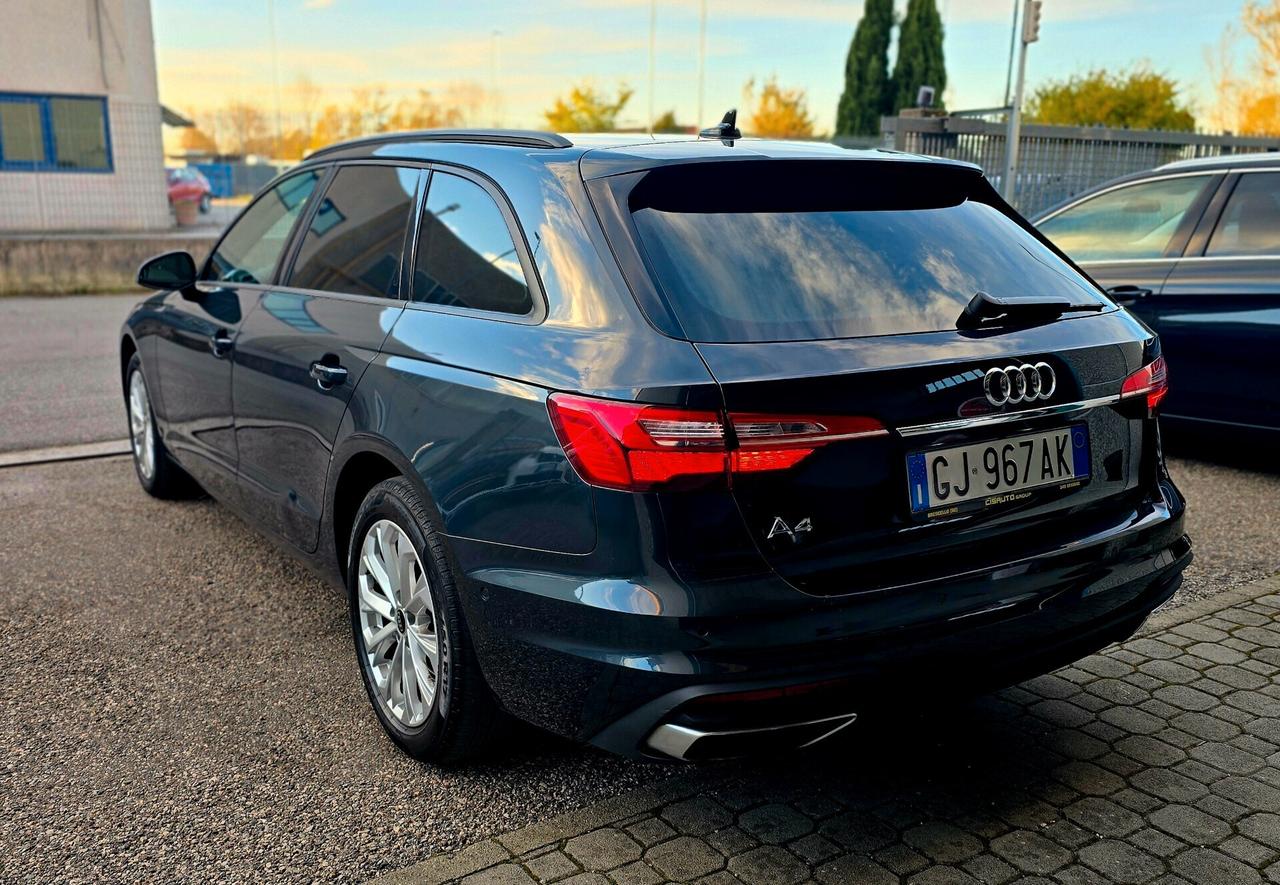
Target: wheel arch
[(128, 347), (360, 463)]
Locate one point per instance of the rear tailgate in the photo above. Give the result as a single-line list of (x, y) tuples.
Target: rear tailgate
[(822, 291), (853, 500)]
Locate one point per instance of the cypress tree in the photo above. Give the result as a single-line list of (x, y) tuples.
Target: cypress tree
[(866, 73), (920, 61)]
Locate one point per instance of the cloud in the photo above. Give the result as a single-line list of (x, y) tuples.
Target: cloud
[(955, 11), (1000, 10), (535, 63), (796, 10)]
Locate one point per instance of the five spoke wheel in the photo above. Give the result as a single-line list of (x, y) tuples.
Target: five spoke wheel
[(141, 428), (398, 626)]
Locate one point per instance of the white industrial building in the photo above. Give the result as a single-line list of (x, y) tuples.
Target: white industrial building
[(80, 117)]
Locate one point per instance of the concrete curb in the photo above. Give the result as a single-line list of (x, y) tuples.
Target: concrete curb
[(692, 781), (29, 457), (1165, 618)]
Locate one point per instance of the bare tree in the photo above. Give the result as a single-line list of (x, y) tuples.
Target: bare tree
[(246, 127), (306, 96)]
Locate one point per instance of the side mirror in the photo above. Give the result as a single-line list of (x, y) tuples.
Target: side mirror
[(172, 270)]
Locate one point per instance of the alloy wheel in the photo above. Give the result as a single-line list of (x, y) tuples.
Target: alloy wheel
[(141, 427), (401, 636)]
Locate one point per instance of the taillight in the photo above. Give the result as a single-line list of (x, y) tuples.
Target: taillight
[(634, 447), (776, 442), (1151, 381)]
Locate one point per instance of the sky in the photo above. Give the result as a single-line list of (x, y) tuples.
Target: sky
[(212, 53)]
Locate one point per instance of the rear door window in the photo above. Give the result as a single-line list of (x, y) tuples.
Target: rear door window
[(1250, 225), (836, 251), (466, 254), (355, 242), (1132, 222), (252, 247)]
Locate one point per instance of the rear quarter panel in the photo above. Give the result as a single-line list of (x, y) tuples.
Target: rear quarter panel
[(482, 446)]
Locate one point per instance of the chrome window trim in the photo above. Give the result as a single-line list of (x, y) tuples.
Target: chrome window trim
[(1008, 417), (1183, 258)]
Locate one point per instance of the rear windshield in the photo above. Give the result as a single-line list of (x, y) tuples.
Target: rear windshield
[(832, 250)]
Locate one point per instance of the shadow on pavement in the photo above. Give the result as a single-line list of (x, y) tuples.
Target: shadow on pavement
[(1241, 449)]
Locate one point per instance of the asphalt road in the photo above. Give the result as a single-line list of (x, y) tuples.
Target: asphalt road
[(180, 700), (59, 370)]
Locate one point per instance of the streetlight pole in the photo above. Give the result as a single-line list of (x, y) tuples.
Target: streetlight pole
[(1030, 34), (493, 77), (275, 69), (1013, 43), (653, 27), (702, 61)]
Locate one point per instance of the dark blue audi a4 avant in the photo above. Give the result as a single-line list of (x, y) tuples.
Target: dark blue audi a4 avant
[(688, 449)]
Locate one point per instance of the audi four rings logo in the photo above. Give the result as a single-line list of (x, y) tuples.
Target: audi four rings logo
[(1018, 384)]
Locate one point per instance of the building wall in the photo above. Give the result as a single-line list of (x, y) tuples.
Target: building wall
[(87, 47)]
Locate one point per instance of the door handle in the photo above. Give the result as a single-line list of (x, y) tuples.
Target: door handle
[(220, 343), (328, 376), (1128, 294)]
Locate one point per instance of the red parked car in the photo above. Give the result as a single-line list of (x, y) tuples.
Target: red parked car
[(186, 183)]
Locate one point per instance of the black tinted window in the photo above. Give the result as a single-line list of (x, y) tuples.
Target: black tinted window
[(833, 252), (356, 238), (466, 257), (1250, 225), (251, 248)]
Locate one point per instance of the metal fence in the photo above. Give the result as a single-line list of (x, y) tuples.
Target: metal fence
[(1057, 162)]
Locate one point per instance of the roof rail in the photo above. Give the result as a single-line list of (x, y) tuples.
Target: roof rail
[(1268, 155), (513, 137)]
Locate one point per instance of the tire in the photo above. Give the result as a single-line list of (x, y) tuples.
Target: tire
[(206, 203), (455, 717), (157, 472)]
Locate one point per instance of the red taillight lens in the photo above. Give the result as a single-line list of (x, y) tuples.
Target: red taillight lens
[(776, 442), (634, 447), (1151, 381), (619, 445)]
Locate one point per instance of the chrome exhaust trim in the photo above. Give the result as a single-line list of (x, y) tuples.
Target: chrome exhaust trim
[(677, 740)]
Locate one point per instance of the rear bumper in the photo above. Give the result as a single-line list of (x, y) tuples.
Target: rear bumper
[(613, 677), (961, 663)]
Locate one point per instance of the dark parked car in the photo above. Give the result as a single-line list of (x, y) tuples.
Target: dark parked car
[(686, 449), (1193, 249)]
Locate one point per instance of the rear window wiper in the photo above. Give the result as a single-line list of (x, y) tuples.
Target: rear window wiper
[(987, 309)]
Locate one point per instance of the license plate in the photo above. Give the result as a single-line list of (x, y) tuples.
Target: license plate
[(996, 472)]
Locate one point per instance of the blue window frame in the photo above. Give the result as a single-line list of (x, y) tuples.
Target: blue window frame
[(54, 133)]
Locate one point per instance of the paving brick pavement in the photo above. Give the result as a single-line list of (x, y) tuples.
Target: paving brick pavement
[(1154, 761)]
